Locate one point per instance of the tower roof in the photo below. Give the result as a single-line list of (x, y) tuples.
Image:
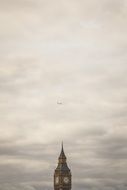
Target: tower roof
[(62, 154), (62, 164)]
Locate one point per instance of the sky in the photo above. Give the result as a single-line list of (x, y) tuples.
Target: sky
[(73, 52)]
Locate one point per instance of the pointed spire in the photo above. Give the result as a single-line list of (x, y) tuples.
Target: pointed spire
[(62, 154), (62, 146), (62, 164)]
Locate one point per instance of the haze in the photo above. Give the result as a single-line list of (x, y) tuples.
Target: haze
[(73, 52)]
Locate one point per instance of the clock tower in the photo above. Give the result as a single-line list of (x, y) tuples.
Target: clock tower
[(62, 174)]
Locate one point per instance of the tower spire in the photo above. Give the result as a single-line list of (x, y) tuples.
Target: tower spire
[(62, 154), (62, 144)]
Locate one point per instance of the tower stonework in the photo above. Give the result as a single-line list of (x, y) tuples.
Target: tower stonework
[(62, 174)]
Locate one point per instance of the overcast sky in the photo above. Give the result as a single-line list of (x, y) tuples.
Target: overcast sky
[(69, 51)]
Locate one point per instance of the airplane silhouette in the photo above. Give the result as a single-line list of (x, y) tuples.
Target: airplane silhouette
[(59, 103)]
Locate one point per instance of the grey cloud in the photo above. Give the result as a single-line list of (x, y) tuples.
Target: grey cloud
[(17, 186), (74, 51)]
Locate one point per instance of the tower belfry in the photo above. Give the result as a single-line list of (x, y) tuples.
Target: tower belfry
[(62, 175)]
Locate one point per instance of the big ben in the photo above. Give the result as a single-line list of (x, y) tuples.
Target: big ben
[(62, 174)]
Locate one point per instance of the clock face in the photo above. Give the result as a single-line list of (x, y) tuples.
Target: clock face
[(57, 180), (66, 180)]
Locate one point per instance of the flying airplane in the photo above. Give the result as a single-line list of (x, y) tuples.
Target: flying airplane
[(59, 103)]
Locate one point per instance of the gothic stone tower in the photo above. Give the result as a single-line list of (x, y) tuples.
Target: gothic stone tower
[(62, 174)]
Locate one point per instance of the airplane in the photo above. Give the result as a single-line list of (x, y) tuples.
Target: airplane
[(59, 103)]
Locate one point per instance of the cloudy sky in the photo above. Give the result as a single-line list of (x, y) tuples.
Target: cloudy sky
[(69, 51)]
